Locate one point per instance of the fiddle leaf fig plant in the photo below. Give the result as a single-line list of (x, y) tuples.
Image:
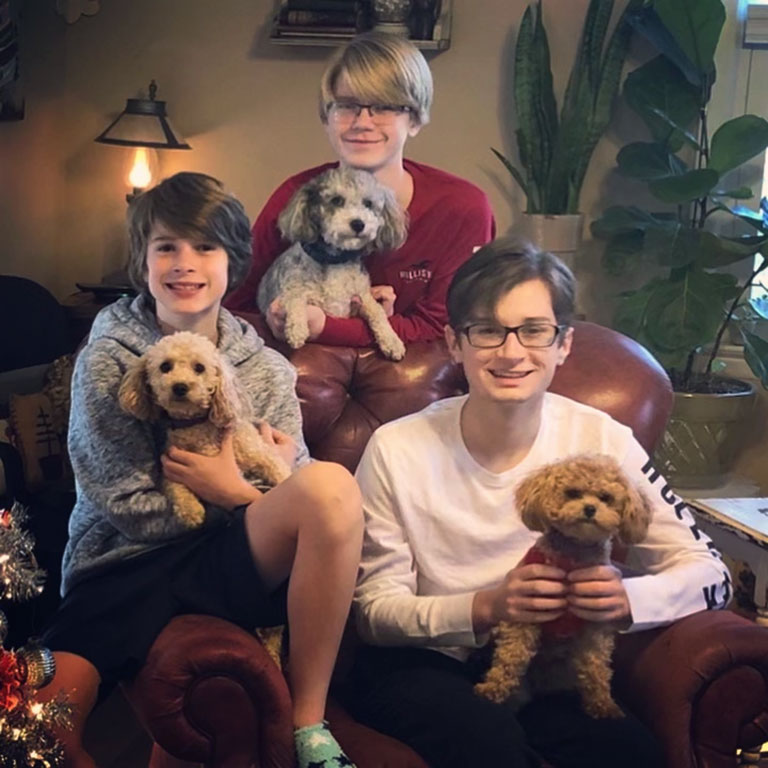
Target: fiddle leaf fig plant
[(555, 150), (688, 302)]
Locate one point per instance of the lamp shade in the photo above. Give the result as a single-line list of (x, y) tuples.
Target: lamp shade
[(143, 123)]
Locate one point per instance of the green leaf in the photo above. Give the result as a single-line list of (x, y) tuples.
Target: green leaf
[(696, 27), (690, 186), (659, 88), (737, 141), (671, 246), (756, 219), (646, 161), (756, 355), (631, 311), (622, 218), (740, 193), (516, 175), (715, 251), (686, 313), (621, 250)]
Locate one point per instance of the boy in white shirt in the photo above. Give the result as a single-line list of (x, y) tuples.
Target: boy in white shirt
[(442, 537)]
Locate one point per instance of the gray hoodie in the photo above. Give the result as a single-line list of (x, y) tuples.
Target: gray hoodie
[(120, 510)]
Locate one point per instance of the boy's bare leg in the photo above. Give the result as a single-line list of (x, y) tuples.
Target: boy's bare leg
[(309, 529), (79, 680)]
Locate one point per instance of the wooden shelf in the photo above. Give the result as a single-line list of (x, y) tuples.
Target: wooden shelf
[(441, 36)]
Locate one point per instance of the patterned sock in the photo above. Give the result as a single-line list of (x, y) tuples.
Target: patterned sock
[(316, 748)]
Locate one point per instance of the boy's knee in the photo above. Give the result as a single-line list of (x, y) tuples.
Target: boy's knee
[(332, 496)]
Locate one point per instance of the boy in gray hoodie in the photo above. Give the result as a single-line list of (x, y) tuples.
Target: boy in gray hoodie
[(130, 565)]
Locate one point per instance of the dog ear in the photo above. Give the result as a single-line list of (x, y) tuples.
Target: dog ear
[(530, 498), (295, 220), (394, 227), (134, 394), (225, 403), (635, 516)]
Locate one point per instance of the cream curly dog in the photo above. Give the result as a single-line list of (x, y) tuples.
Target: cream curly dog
[(334, 221), (580, 505), (185, 383)]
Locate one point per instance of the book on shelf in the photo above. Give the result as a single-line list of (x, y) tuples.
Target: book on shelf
[(286, 30), (350, 6), (748, 514), (318, 18)]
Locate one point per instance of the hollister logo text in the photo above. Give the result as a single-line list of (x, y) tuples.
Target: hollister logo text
[(420, 272)]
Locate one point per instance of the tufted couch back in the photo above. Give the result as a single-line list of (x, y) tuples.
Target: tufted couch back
[(347, 393)]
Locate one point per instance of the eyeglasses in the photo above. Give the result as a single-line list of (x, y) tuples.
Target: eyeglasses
[(531, 335), (347, 111)]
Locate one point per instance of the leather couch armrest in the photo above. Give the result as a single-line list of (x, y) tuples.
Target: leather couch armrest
[(701, 684), (209, 693)]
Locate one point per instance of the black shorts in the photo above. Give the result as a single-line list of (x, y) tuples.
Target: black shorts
[(113, 617)]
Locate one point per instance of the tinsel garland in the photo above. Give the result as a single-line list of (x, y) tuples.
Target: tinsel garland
[(26, 738)]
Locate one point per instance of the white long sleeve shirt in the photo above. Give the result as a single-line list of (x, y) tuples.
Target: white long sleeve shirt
[(440, 527)]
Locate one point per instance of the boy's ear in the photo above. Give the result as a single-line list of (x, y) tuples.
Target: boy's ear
[(453, 342), (134, 394)]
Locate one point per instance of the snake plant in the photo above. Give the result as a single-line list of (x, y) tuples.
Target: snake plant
[(555, 150)]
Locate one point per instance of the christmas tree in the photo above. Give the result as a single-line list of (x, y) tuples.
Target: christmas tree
[(26, 740)]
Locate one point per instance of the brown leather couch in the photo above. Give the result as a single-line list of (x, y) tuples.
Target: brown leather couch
[(209, 694)]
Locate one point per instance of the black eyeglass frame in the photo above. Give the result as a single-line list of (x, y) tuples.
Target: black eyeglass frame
[(514, 329), (395, 109)]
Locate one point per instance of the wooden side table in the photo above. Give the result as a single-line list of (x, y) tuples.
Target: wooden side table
[(739, 528)]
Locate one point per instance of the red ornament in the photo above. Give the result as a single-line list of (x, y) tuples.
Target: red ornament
[(11, 681)]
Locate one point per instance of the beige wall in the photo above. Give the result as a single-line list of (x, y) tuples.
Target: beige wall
[(248, 109), (246, 106)]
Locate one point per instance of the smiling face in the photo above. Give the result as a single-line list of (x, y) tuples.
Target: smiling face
[(187, 278), (361, 143), (512, 373)]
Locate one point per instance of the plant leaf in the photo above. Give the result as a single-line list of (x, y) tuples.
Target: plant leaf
[(649, 160), (686, 313), (659, 88), (621, 250), (715, 251), (756, 219), (756, 355), (696, 27), (622, 218), (740, 193), (516, 175), (689, 186), (737, 141)]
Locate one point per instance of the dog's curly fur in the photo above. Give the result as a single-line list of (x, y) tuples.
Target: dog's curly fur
[(333, 221), (183, 381), (580, 505)]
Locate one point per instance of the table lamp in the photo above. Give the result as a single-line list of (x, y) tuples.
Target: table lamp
[(143, 124)]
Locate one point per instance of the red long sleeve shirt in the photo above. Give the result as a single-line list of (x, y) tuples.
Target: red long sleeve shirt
[(448, 219)]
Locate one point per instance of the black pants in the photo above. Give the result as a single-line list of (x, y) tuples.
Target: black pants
[(426, 700)]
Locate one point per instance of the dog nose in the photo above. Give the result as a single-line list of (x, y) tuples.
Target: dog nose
[(180, 389), (589, 510), (357, 225)]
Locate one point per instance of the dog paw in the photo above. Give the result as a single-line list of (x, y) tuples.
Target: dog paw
[(394, 348), (603, 709), (492, 691), (191, 514)]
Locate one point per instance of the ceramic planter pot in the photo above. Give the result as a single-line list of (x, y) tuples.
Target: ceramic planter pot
[(703, 437)]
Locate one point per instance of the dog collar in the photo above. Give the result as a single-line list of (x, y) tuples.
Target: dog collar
[(183, 423), (323, 253)]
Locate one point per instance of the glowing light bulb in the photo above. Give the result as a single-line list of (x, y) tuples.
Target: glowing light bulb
[(140, 175)]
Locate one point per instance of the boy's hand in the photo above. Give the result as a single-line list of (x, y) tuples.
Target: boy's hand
[(215, 479), (533, 594), (283, 444), (598, 594), (386, 296)]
